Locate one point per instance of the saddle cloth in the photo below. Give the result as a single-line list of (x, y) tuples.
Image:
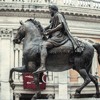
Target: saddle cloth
[(67, 47)]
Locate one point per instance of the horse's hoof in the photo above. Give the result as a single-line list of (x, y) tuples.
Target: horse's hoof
[(33, 98), (77, 94), (97, 95), (36, 96), (12, 86)]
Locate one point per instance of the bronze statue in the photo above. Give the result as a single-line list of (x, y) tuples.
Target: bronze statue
[(58, 34), (60, 58)]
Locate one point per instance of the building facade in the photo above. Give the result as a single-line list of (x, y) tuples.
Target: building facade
[(83, 17)]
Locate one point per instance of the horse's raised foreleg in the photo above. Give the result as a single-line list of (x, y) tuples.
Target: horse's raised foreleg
[(17, 69), (86, 78)]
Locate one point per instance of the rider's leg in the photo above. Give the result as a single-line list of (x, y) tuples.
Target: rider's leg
[(45, 47), (43, 55)]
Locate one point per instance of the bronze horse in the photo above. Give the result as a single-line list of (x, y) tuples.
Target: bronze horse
[(58, 59)]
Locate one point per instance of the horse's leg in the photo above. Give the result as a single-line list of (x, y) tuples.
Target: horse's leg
[(86, 78), (36, 81), (95, 81), (17, 69)]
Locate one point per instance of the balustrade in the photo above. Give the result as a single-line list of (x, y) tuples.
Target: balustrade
[(29, 4), (88, 4)]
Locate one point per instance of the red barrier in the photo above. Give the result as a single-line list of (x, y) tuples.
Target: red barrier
[(29, 84)]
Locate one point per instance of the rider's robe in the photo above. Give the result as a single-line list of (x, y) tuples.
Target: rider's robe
[(57, 38), (60, 37)]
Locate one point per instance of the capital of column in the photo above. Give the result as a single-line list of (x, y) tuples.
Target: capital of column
[(6, 33)]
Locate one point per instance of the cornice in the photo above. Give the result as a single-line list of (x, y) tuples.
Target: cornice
[(45, 14), (37, 13), (73, 10)]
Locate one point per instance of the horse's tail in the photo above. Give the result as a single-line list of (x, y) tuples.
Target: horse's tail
[(97, 47)]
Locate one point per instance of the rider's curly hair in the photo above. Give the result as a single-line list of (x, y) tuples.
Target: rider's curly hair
[(53, 7)]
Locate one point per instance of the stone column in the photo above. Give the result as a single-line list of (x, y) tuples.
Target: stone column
[(94, 63), (16, 61), (63, 90), (20, 55), (5, 64), (55, 82)]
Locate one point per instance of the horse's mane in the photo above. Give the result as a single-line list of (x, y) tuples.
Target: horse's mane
[(37, 24)]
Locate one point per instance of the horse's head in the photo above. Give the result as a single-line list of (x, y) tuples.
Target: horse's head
[(30, 27), (20, 33)]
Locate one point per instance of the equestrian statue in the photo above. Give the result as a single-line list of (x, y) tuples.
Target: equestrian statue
[(54, 49)]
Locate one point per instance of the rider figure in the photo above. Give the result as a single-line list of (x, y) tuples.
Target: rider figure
[(58, 34)]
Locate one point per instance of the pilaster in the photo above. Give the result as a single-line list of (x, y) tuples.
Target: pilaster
[(5, 63)]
